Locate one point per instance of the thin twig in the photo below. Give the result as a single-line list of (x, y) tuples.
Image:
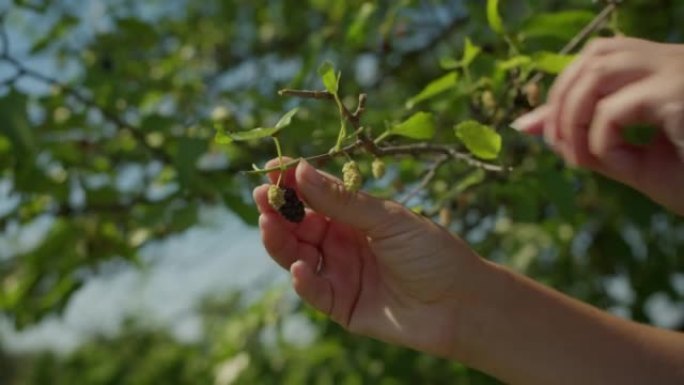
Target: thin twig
[(324, 95), (427, 179), (588, 30), (431, 148), (363, 141)]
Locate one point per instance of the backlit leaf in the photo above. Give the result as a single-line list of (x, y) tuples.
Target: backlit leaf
[(493, 17), (434, 88), (479, 139), (419, 126), (330, 78)]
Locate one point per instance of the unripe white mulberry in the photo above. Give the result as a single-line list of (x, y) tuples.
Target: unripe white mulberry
[(378, 168), (351, 175), (276, 196)]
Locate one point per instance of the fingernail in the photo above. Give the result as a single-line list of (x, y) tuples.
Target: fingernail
[(310, 175)]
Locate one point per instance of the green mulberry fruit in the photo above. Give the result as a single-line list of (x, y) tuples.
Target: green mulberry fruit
[(488, 101), (351, 175), (378, 168), (276, 196), (287, 203)]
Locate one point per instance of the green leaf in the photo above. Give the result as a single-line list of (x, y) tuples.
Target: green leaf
[(419, 126), (435, 87), (550, 62), (286, 120), (223, 137), (514, 62), (493, 17), (483, 141), (560, 25), (470, 52), (331, 80), (357, 31)]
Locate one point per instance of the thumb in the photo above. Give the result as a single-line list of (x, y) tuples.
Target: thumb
[(327, 196)]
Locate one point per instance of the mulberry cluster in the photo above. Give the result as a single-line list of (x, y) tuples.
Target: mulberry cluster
[(351, 176), (488, 101), (378, 168), (285, 200)]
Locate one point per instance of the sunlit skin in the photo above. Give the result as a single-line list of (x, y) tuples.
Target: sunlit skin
[(370, 282), (395, 276), (614, 83)]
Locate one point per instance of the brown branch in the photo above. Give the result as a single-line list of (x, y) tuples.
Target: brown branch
[(427, 179), (365, 142)]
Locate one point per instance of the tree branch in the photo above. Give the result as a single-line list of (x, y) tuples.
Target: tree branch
[(587, 31), (427, 179), (366, 143)]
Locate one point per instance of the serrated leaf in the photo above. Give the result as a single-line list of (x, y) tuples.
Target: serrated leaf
[(257, 133), (286, 120), (493, 17), (481, 140), (223, 137), (552, 63), (419, 126), (434, 88), (330, 79)]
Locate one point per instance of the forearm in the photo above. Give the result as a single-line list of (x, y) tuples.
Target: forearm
[(526, 333)]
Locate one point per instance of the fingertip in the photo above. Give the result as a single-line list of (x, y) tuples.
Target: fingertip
[(531, 123), (288, 178), (260, 196)]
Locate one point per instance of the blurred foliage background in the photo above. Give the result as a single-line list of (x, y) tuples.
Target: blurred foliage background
[(141, 89)]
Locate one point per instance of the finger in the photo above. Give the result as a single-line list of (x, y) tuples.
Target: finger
[(288, 178), (567, 79), (260, 196), (313, 289), (532, 123), (599, 78), (310, 230), (327, 196), (637, 103), (282, 244), (673, 116)]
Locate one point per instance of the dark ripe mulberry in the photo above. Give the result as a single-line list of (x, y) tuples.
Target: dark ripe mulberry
[(293, 209)]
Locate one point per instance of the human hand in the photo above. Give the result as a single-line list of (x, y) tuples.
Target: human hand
[(615, 83), (385, 272)]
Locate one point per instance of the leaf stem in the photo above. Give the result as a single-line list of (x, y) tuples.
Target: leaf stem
[(280, 159)]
